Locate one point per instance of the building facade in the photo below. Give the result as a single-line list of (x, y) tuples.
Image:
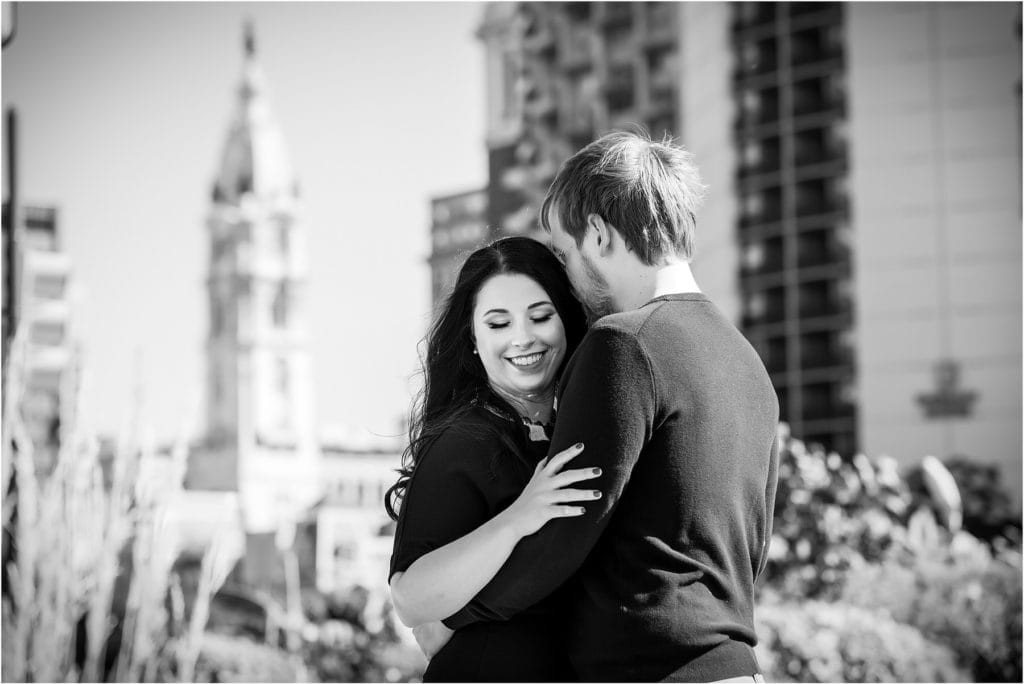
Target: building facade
[(559, 75), (458, 226), (38, 344), (935, 195), (354, 535), (863, 225)]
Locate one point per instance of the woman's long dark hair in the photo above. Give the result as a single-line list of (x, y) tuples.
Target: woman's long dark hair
[(454, 378)]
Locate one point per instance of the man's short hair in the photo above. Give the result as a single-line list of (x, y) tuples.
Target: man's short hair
[(649, 191)]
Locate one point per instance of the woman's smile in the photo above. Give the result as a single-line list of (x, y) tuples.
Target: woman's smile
[(527, 361)]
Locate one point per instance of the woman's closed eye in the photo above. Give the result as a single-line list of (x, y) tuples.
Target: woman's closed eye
[(543, 319)]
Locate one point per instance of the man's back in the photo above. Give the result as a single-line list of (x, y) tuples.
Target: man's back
[(667, 590), (676, 409)]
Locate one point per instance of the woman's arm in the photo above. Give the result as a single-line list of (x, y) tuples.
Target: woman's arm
[(444, 580)]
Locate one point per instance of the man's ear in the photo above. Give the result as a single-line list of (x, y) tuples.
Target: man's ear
[(602, 233)]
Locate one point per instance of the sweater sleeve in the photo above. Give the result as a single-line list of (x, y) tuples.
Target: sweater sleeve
[(445, 500), (608, 403), (771, 487)]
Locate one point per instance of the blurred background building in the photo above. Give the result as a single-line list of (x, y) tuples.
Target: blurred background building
[(36, 301), (863, 225), (458, 223), (259, 467)]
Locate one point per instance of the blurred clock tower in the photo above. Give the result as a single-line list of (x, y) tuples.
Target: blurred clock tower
[(260, 439)]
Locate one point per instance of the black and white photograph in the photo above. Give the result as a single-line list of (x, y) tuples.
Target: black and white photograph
[(480, 341)]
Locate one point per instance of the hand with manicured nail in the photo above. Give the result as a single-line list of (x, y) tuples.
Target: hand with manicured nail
[(547, 494)]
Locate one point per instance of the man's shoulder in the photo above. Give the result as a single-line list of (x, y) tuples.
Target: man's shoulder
[(625, 322)]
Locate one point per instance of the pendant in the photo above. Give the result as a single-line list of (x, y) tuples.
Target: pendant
[(537, 433)]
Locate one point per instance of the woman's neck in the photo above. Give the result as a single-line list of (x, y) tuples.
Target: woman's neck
[(535, 407)]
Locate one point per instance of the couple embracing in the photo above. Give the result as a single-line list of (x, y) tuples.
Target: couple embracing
[(620, 539)]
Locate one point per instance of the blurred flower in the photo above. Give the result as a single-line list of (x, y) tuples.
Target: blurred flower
[(944, 492)]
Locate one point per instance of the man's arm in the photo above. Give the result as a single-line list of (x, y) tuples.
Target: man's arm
[(608, 403)]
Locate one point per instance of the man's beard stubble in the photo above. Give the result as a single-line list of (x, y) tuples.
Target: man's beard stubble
[(595, 295)]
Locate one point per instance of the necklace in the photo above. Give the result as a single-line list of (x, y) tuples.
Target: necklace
[(537, 431)]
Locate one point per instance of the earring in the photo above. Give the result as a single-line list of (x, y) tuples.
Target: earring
[(475, 352)]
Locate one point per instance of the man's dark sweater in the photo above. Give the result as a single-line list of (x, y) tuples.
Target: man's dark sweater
[(676, 408)]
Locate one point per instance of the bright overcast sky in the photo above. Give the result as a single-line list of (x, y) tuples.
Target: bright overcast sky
[(123, 113)]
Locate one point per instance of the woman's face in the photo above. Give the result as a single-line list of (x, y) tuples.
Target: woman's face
[(519, 335)]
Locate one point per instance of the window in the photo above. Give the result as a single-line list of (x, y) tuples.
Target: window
[(811, 146), (283, 386), (776, 360), (49, 286), (753, 256), (818, 401), (816, 299), (48, 333), (620, 87), (216, 318), (811, 197), (813, 248), (753, 206), (509, 82), (810, 96), (280, 306), (817, 350), (283, 238)]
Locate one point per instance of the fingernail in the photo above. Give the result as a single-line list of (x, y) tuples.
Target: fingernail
[(597, 471), (577, 445), (597, 494)]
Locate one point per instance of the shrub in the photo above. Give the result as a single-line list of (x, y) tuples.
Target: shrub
[(957, 594), (835, 642), (831, 514), (225, 658)]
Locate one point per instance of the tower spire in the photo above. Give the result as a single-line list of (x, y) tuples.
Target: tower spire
[(249, 40), (255, 159)]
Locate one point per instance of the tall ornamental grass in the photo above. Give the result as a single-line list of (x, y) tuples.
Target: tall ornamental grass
[(89, 593)]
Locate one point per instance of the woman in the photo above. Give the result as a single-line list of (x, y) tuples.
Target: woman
[(475, 479)]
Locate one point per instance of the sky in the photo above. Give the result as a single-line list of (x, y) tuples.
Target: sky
[(123, 111)]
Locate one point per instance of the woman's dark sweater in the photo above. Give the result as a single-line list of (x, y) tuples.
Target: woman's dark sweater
[(676, 407), (462, 480)]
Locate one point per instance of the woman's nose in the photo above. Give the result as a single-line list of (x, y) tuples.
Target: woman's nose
[(523, 338)]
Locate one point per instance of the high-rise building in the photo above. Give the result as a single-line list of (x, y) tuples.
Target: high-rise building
[(863, 225), (793, 228), (260, 439)]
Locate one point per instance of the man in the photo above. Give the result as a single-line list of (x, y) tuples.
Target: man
[(677, 410)]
